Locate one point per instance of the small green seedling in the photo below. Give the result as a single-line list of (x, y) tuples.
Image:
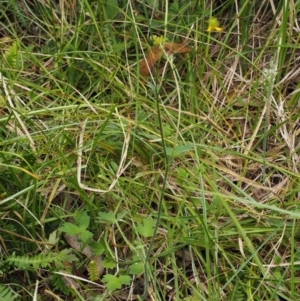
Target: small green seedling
[(82, 221), (115, 282)]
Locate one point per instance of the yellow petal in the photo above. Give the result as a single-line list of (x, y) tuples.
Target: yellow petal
[(213, 25), (157, 40)]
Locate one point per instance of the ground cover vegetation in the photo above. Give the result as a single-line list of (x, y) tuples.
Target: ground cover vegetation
[(149, 150)]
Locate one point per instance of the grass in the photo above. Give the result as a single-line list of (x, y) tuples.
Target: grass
[(181, 185)]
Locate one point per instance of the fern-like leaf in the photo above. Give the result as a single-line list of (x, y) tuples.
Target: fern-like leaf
[(7, 294), (11, 55), (237, 294), (59, 284), (41, 260), (93, 271)]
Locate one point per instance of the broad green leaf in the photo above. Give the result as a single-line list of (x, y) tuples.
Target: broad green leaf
[(98, 247), (136, 268), (82, 219), (179, 150), (121, 215), (70, 229), (107, 217), (146, 229), (108, 263), (167, 130), (115, 282), (112, 8), (85, 235), (125, 279), (53, 238), (182, 173)]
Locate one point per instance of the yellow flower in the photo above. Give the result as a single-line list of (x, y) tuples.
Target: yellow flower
[(213, 25), (157, 40)]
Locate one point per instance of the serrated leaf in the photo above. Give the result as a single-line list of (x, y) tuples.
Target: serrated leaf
[(98, 247), (111, 282), (70, 229), (124, 279), (85, 235), (41, 260), (107, 217), (82, 219), (67, 255), (146, 229), (115, 282)]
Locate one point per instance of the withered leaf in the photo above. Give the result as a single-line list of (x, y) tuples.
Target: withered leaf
[(172, 48), (147, 63), (156, 52)]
